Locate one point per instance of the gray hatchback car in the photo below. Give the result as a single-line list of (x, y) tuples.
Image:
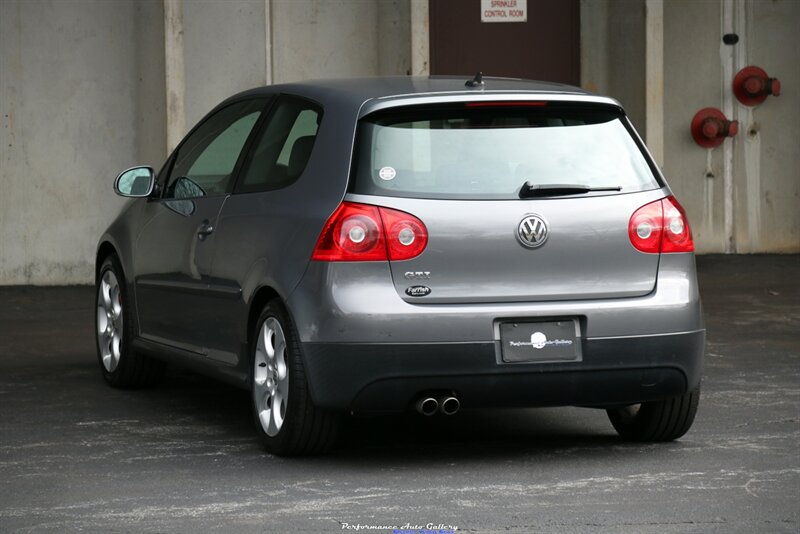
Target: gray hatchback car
[(403, 243)]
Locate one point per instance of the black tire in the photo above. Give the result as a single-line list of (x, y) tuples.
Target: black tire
[(131, 369), (305, 429), (664, 420)]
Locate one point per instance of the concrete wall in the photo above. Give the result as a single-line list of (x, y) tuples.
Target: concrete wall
[(225, 47), (626, 52), (224, 52), (763, 161), (612, 53), (148, 37), (393, 30), (82, 94), (77, 81), (762, 164), (693, 80), (340, 38), (767, 164)]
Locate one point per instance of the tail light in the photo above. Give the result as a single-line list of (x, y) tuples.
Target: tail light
[(661, 226), (360, 232)]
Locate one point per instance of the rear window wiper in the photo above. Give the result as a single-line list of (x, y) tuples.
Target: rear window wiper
[(553, 190)]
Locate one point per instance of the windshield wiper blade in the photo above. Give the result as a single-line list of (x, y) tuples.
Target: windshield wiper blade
[(552, 190)]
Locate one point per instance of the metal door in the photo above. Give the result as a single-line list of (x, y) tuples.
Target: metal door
[(545, 47), (173, 251)]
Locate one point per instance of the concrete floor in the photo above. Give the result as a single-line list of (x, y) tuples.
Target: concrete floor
[(78, 455)]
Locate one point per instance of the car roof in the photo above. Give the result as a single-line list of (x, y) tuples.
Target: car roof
[(365, 95)]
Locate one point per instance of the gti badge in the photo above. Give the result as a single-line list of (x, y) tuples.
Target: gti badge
[(532, 231), (418, 291)]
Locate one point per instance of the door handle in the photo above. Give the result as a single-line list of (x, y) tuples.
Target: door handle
[(204, 230)]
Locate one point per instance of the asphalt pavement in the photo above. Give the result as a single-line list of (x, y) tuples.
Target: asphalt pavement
[(76, 455)]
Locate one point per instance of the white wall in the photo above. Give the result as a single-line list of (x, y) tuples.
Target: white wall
[(71, 97), (224, 51), (612, 53), (764, 160), (765, 167), (339, 38), (82, 94), (692, 81)]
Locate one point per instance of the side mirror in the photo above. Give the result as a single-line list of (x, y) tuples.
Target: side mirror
[(136, 182)]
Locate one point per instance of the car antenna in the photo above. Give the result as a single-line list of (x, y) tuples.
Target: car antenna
[(476, 81)]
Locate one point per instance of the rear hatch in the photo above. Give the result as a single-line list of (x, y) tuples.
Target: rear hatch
[(522, 201)]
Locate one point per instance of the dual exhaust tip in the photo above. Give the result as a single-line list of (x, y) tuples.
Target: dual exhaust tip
[(448, 405)]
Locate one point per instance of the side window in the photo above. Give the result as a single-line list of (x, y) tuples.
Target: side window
[(205, 161), (281, 152)]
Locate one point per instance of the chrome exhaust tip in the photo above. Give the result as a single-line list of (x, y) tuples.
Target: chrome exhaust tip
[(427, 405), (449, 405)]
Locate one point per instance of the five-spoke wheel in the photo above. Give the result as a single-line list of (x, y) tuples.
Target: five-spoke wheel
[(271, 377), (120, 364), (109, 320), (286, 417)]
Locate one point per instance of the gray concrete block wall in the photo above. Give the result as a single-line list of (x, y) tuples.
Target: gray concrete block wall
[(224, 52), (82, 96), (70, 96), (393, 31), (692, 81), (612, 53), (766, 153), (765, 165), (340, 38), (626, 67), (149, 113)]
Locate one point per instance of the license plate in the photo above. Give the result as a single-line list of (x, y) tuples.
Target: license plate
[(549, 341)]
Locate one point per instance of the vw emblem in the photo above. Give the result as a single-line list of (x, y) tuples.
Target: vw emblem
[(532, 231)]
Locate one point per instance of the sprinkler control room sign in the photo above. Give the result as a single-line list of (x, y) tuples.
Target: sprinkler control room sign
[(504, 10)]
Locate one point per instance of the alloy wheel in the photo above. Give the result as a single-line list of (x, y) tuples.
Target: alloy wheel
[(271, 377), (109, 320)]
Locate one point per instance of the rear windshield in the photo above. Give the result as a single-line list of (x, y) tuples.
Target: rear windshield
[(489, 151)]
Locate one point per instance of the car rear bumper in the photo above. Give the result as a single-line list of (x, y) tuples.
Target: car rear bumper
[(613, 371), (366, 349)]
